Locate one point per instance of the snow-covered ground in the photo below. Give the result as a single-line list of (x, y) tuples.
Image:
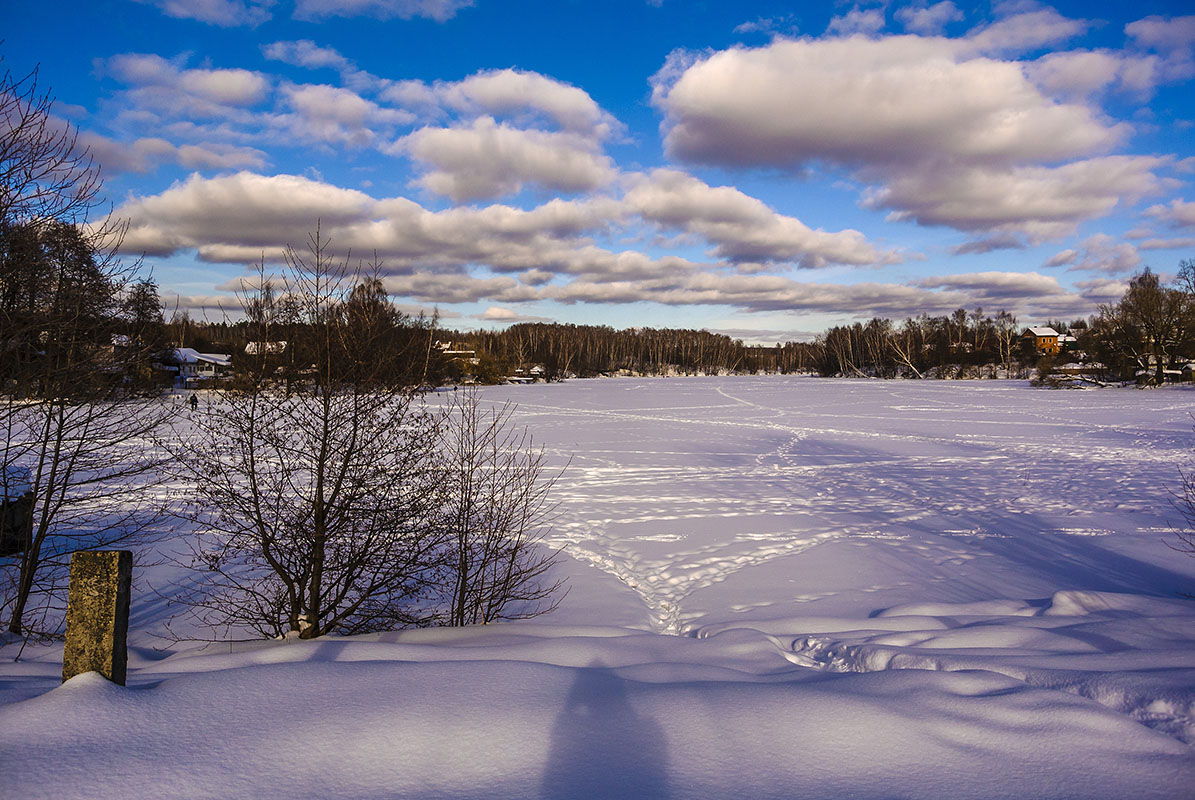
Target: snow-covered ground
[(780, 587)]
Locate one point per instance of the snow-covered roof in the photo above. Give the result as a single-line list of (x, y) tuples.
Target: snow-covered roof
[(1042, 331), (254, 348), (189, 355)]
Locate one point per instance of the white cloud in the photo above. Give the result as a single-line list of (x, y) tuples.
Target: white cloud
[(1179, 214), (510, 92), (1039, 202), (1102, 253), (488, 160), (225, 13), (309, 55), (1062, 258), (243, 209), (944, 131), (1163, 33), (860, 101), (741, 227), (506, 255), (165, 86), (499, 314), (996, 287), (1102, 290), (858, 20), (334, 115), (1026, 31), (147, 154), (929, 20), (438, 10), (305, 53), (1166, 244)]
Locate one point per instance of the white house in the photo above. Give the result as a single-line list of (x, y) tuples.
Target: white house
[(195, 367)]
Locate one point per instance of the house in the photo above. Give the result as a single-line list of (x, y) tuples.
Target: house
[(1043, 340), (456, 350), (195, 367), (267, 348)]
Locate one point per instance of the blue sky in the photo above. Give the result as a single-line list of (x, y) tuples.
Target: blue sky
[(763, 169)]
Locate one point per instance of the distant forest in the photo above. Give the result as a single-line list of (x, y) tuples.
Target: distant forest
[(1150, 330)]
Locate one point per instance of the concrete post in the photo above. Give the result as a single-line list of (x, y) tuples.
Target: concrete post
[(97, 614)]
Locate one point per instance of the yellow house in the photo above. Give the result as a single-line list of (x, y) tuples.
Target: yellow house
[(1044, 340)]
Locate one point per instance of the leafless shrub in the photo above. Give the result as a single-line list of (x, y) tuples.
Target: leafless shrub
[(497, 508)]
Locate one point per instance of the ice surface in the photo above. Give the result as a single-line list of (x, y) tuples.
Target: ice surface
[(780, 587)]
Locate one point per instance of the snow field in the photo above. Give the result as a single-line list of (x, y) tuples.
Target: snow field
[(779, 587)]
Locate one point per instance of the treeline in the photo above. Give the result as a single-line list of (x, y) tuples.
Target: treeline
[(590, 350), (1150, 331), (945, 346), (1146, 334)]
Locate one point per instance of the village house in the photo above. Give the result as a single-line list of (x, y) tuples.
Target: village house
[(195, 367), (1043, 340)]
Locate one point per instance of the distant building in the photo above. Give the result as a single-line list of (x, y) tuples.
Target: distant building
[(195, 367), (1043, 340), (272, 348), (458, 351)]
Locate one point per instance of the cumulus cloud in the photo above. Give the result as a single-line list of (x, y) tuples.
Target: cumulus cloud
[(309, 55), (741, 227), (858, 20), (489, 160), (148, 153), (525, 255), (244, 209), (1164, 33), (305, 53), (862, 101), (161, 85), (510, 92), (928, 20), (944, 132), (438, 10), (1178, 214), (225, 13), (1041, 203), (1026, 31), (335, 115), (1102, 253)]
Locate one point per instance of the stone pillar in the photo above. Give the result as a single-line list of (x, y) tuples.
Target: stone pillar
[(97, 614)]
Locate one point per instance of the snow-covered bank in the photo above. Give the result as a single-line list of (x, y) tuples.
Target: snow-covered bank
[(884, 589)]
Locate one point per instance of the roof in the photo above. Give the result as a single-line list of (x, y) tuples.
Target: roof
[(257, 348), (1042, 331), (189, 355)]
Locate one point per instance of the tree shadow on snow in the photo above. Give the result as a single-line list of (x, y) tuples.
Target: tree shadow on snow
[(601, 748)]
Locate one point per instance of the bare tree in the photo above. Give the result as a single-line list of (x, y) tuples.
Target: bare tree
[(316, 509), (497, 509), (75, 426), (44, 173)]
